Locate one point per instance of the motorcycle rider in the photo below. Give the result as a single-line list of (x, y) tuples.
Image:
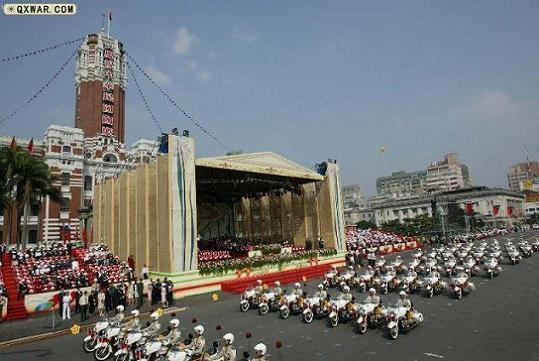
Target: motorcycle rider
[(174, 335), (155, 327), (297, 290), (372, 297), (119, 317), (277, 288), (346, 295), (132, 323), (198, 344), (227, 352), (322, 293), (404, 301), (260, 351), (258, 288)]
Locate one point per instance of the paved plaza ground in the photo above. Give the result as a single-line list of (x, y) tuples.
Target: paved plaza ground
[(498, 321)]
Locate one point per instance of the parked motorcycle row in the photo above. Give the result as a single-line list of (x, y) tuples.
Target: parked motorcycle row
[(441, 270)]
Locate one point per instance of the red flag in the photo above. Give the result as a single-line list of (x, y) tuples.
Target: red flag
[(469, 208), (509, 211), (495, 210), (31, 145), (13, 145)]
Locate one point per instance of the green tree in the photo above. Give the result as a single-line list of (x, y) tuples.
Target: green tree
[(27, 179), (365, 225)]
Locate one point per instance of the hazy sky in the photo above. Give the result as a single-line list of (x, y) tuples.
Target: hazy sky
[(310, 80)]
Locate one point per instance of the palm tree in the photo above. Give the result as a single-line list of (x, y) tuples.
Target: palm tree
[(34, 182), (26, 179)]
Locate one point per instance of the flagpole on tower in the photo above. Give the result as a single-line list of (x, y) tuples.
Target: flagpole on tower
[(108, 22)]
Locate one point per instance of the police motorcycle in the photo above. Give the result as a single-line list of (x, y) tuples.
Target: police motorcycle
[(412, 264), (525, 248), (512, 253), (460, 283), (311, 307), (535, 245), (130, 346), (347, 277), (478, 254), (291, 303), (449, 265), (398, 265), (365, 277), (109, 343), (338, 306), (269, 300), (331, 278), (470, 266), (401, 319), (407, 282), (369, 314), (251, 297), (386, 280), (90, 342), (432, 284), (492, 267), (426, 264), (380, 263)]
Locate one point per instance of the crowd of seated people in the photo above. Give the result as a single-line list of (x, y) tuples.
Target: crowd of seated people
[(221, 248), (54, 266), (363, 239)]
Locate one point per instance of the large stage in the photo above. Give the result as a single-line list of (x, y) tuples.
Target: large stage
[(157, 211)]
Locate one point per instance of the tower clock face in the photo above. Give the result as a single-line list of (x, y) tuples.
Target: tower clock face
[(88, 155)]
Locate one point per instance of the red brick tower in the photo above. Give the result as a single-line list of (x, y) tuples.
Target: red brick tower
[(100, 78)]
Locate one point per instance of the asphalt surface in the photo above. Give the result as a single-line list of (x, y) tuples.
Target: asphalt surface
[(497, 321)]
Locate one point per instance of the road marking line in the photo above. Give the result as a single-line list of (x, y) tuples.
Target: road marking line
[(433, 355)]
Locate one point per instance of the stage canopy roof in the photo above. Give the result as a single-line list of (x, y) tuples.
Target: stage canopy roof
[(246, 175)]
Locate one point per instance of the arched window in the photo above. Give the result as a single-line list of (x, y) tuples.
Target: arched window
[(110, 158)]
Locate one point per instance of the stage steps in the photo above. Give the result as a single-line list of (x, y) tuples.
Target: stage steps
[(15, 308)]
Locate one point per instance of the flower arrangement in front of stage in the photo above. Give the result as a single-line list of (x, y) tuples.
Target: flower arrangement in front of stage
[(221, 267)]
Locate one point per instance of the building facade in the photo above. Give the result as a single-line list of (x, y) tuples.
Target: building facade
[(100, 80), (519, 173), (79, 157), (402, 184), (352, 196), (448, 174), (496, 206)]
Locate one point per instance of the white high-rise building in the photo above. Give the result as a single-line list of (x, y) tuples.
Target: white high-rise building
[(448, 174)]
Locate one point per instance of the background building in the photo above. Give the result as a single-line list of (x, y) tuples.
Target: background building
[(352, 196), (448, 174), (521, 172), (402, 184), (94, 150), (494, 206), (100, 79)]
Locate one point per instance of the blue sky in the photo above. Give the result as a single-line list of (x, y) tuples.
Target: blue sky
[(310, 80)]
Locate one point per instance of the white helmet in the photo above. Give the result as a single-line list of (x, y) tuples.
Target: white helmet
[(372, 290), (277, 284), (259, 282), (320, 286), (402, 293), (297, 285), (229, 337), (135, 313), (346, 289), (261, 348), (120, 308), (199, 329), (174, 322), (154, 316)]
